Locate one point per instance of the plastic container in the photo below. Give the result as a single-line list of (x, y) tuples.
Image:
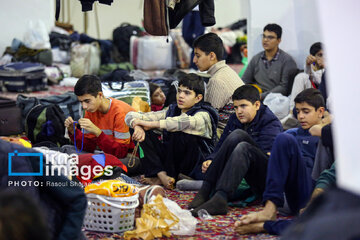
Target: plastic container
[(110, 214)]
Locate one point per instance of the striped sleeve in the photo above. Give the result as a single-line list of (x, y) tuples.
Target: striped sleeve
[(149, 116), (199, 124)]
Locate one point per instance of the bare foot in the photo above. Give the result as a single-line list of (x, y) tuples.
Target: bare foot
[(166, 181), (150, 180), (250, 228), (267, 214), (258, 217)]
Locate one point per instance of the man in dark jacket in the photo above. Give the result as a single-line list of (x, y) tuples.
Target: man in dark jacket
[(62, 203), (242, 152)]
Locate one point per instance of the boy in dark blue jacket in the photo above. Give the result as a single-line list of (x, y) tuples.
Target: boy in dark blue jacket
[(242, 152), (290, 166)]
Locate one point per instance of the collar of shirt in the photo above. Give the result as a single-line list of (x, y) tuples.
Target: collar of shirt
[(214, 68), (267, 62)]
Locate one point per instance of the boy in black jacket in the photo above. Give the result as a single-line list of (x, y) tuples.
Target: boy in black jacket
[(242, 152)]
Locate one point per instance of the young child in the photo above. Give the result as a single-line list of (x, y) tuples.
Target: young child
[(290, 166), (242, 152), (157, 97), (209, 51), (103, 123), (189, 131)]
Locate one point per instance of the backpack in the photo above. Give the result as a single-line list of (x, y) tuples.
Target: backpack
[(46, 123), (67, 102), (121, 39)]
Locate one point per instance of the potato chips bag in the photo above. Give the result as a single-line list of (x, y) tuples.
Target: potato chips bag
[(112, 188)]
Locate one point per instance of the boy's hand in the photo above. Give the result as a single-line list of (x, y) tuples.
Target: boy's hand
[(327, 118), (69, 124), (139, 134), (86, 124), (205, 165), (310, 60), (316, 130)]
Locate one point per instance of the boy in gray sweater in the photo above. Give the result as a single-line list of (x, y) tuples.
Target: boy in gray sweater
[(271, 69)]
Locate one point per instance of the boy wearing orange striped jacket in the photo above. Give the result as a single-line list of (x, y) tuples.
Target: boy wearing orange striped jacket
[(103, 124)]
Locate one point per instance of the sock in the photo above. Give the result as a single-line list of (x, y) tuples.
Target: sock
[(189, 185), (217, 205), (202, 196)]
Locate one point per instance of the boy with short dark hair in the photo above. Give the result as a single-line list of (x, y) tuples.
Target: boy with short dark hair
[(104, 121), (313, 71), (209, 51), (189, 133), (272, 68), (290, 166), (242, 152)]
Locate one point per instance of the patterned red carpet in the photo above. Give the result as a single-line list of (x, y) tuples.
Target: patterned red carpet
[(221, 227)]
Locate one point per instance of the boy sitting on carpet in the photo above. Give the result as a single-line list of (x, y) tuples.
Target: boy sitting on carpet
[(189, 133), (103, 124), (290, 166), (240, 153), (209, 51)]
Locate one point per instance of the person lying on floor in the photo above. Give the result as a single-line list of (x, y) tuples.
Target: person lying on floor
[(242, 152), (289, 168), (157, 97), (209, 51), (189, 134), (103, 124)]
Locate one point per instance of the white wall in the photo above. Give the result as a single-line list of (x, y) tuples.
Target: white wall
[(298, 19), (109, 17), (16, 14), (230, 11), (343, 71)]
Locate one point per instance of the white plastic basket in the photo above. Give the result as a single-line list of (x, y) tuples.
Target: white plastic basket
[(110, 214)]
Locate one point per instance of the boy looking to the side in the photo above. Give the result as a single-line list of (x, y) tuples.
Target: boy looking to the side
[(189, 131), (290, 166), (104, 121), (209, 51)]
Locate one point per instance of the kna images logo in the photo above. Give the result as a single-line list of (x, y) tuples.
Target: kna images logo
[(16, 154)]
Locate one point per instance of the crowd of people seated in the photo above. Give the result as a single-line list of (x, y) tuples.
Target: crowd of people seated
[(221, 132)]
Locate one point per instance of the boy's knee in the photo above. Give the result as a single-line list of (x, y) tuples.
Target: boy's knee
[(284, 139), (238, 134), (242, 147)]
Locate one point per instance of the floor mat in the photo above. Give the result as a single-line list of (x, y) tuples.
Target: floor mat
[(220, 227)]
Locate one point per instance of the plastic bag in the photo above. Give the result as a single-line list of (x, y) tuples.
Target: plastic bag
[(278, 104), (85, 59), (187, 223), (155, 221), (36, 36)]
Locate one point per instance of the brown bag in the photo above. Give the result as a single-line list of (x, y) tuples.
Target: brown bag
[(155, 17)]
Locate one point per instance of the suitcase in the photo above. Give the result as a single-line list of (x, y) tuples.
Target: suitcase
[(10, 117), (152, 52), (23, 76)]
